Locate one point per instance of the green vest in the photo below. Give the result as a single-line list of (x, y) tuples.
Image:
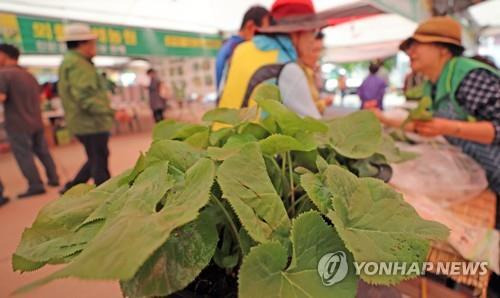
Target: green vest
[(445, 105), (452, 75)]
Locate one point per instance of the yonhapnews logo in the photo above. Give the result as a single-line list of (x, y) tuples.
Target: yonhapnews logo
[(332, 268)]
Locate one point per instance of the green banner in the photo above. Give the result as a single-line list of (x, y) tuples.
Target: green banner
[(36, 35)]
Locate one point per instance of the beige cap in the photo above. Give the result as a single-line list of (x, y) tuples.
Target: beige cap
[(436, 29), (78, 32)]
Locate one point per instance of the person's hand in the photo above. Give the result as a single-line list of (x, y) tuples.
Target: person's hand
[(434, 127), (122, 116), (117, 114), (370, 104), (377, 112), (328, 101)]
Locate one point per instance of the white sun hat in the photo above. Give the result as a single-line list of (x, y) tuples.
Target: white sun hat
[(78, 32)]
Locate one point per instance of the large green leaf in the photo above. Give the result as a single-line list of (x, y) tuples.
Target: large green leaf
[(231, 116), (269, 124), (232, 146), (356, 135), (59, 249), (265, 268), (199, 140), (238, 141), (421, 112), (179, 154), (246, 241), (52, 237), (289, 122), (392, 153), (109, 208), (176, 263), (376, 224), (219, 137), (172, 130), (139, 166), (245, 184), (112, 254), (255, 129), (275, 174), (266, 91), (319, 194), (25, 265), (277, 143), (216, 153)]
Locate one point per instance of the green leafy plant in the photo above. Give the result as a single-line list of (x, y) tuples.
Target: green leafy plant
[(250, 207), (421, 112)]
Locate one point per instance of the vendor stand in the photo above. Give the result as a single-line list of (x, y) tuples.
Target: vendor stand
[(444, 184)]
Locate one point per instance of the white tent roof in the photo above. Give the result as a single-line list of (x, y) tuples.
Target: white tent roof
[(367, 38), (207, 16), (486, 13), (379, 36)]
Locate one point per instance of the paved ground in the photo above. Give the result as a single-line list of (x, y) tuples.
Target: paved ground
[(19, 214)]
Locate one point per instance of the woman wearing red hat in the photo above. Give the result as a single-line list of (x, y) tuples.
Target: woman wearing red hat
[(269, 57), (309, 63)]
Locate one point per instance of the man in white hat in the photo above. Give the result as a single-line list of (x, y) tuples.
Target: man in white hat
[(88, 113)]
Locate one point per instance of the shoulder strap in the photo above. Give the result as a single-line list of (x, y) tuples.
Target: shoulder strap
[(266, 72)]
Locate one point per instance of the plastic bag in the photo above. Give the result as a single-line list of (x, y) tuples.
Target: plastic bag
[(442, 173)]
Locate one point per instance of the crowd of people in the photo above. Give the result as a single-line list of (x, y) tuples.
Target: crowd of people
[(88, 113), (281, 46)]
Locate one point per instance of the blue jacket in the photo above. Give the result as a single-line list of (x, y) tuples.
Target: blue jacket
[(223, 56)]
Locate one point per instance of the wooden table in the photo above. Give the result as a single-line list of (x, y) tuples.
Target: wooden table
[(480, 211)]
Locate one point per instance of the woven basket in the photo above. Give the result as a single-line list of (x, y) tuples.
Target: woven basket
[(479, 211)]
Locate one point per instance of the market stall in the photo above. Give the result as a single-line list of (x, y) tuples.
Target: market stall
[(279, 205)]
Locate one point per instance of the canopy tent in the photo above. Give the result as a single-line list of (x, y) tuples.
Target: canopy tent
[(209, 16), (384, 22), (486, 14), (162, 15), (379, 36), (415, 10), (365, 39)]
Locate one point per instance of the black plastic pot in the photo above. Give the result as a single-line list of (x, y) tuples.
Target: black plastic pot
[(213, 281)]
